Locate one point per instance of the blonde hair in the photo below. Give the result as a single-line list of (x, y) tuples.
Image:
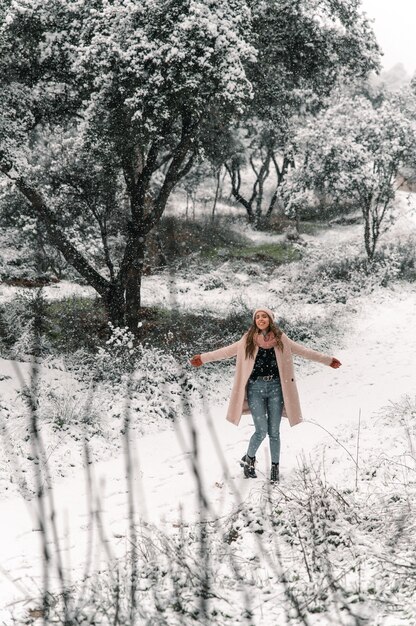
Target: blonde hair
[(253, 331)]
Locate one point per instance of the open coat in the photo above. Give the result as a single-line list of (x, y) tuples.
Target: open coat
[(238, 402)]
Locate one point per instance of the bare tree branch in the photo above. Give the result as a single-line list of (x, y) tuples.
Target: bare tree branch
[(62, 243)]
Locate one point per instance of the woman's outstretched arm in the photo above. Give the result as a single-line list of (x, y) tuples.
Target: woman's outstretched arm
[(216, 355), (313, 355)]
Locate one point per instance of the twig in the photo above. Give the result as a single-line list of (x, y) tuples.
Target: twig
[(358, 450), (333, 437)]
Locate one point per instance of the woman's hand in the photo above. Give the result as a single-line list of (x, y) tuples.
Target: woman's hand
[(196, 360), (335, 363)]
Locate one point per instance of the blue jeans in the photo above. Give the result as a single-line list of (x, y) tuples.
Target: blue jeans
[(265, 399)]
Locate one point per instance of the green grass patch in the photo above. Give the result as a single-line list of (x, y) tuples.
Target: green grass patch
[(278, 252), (213, 241), (176, 238)]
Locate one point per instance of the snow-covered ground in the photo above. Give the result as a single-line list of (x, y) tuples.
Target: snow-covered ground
[(377, 355), (378, 362)]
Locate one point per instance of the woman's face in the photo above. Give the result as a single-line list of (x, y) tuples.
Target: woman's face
[(262, 320)]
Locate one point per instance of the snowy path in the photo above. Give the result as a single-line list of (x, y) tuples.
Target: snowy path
[(378, 367)]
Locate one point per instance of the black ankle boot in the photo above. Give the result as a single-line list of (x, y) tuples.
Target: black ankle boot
[(247, 463), (274, 473)]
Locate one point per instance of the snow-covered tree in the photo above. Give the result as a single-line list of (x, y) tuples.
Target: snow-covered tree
[(304, 48), (102, 107), (352, 152)]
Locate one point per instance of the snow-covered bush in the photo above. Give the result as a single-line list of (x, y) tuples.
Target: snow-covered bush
[(400, 259), (118, 356), (158, 386), (66, 407), (300, 554), (22, 325), (151, 380), (335, 276), (25, 343), (212, 281)]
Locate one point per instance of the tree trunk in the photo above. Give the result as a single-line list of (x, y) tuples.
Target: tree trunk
[(217, 189), (251, 217), (297, 222), (115, 305), (280, 175), (133, 278), (133, 289), (257, 221), (369, 243), (259, 203), (262, 175), (235, 179)]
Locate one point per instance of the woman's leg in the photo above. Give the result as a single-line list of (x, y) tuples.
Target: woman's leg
[(256, 396), (274, 403)]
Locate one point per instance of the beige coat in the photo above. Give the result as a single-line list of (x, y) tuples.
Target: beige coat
[(238, 401)]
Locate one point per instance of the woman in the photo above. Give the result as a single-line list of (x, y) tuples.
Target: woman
[(264, 383)]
